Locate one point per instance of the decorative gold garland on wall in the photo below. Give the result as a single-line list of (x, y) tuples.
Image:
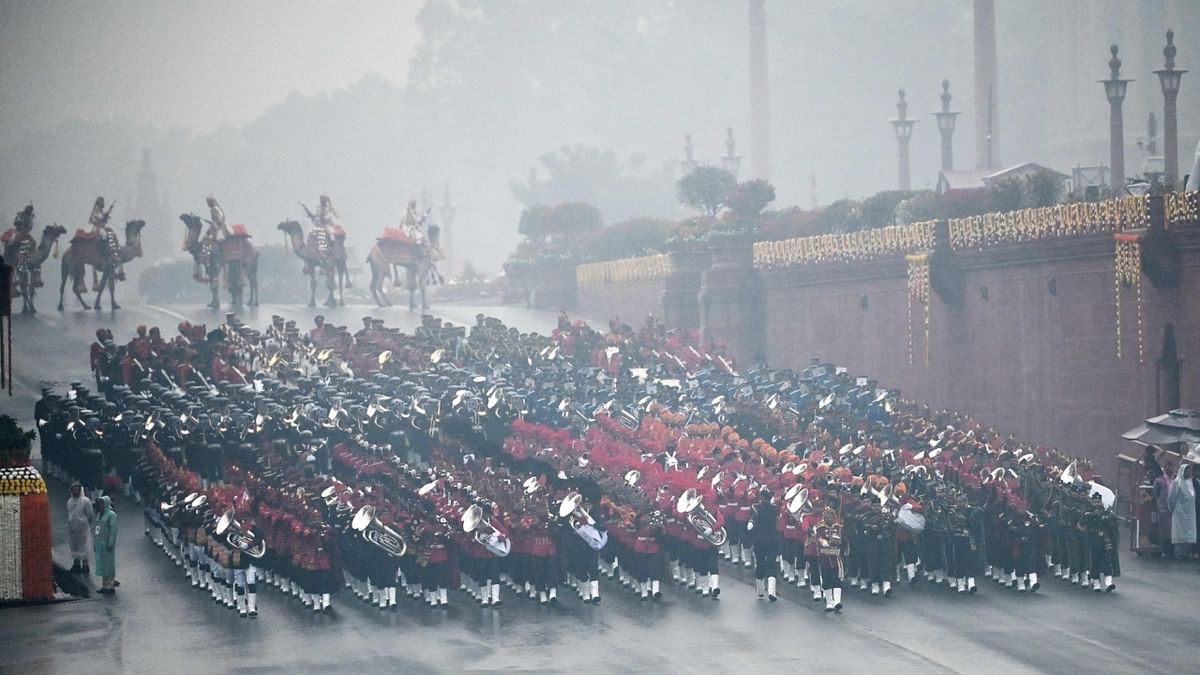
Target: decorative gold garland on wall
[(918, 290), (1127, 268), (1182, 208), (866, 244), (623, 271), (1062, 220)]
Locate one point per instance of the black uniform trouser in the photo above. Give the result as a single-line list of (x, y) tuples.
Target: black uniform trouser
[(881, 559), (766, 559)]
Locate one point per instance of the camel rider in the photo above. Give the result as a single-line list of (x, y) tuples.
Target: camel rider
[(19, 244), (216, 226), (100, 229), (324, 223), (421, 229), (327, 216), (216, 232), (413, 224)]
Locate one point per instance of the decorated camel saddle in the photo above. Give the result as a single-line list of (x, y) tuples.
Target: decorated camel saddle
[(398, 244)]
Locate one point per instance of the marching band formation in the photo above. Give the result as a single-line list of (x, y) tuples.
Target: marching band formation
[(385, 464)]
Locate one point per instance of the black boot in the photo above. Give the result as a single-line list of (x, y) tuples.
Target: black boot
[(86, 569), (76, 568)]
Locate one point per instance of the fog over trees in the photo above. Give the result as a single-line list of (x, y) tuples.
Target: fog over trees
[(387, 99)]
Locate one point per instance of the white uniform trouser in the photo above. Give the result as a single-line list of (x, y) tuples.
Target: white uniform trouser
[(244, 583)]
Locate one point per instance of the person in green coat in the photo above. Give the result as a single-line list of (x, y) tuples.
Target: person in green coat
[(106, 546)]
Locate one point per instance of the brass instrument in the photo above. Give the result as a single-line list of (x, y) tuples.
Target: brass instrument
[(530, 485), (581, 521), (797, 501), (1070, 475), (485, 533), (699, 518), (377, 533), (240, 538)]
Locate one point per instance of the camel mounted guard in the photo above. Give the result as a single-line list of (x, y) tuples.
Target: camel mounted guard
[(323, 251), (27, 255), (102, 250), (222, 251), (413, 247)]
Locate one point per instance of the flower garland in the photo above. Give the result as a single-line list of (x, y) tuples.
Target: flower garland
[(1062, 220), (1127, 268), (623, 271), (26, 570), (24, 480), (849, 247), (1182, 208), (918, 289)]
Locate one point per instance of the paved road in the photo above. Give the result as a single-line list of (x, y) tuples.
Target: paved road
[(158, 624)]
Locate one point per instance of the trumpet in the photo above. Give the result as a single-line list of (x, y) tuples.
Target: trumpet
[(391, 541), (699, 518)]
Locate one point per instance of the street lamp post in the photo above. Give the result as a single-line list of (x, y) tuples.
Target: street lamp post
[(1169, 78), (730, 162), (903, 127), (946, 119), (1114, 89)]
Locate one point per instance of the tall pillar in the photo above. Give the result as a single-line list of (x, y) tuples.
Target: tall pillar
[(903, 128), (987, 118), (1114, 90), (946, 119), (760, 101), (1169, 78)]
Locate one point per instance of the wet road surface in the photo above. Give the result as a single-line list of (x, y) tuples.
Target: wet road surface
[(156, 623)]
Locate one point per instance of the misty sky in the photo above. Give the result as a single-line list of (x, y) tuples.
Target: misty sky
[(190, 64), (268, 102)]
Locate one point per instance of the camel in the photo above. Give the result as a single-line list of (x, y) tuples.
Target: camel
[(392, 251), (103, 254), (323, 251), (234, 256), (27, 258)]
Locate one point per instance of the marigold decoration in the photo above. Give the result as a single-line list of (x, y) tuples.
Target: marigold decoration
[(1127, 268), (918, 290), (26, 568), (1062, 220), (849, 247), (627, 270)]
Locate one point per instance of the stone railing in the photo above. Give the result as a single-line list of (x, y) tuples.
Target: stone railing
[(892, 240), (1062, 220), (623, 271)]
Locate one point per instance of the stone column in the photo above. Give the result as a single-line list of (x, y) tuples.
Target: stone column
[(681, 289), (731, 300)]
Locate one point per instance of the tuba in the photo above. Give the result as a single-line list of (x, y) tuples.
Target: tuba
[(377, 533), (485, 533), (240, 538), (699, 518), (581, 521)]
